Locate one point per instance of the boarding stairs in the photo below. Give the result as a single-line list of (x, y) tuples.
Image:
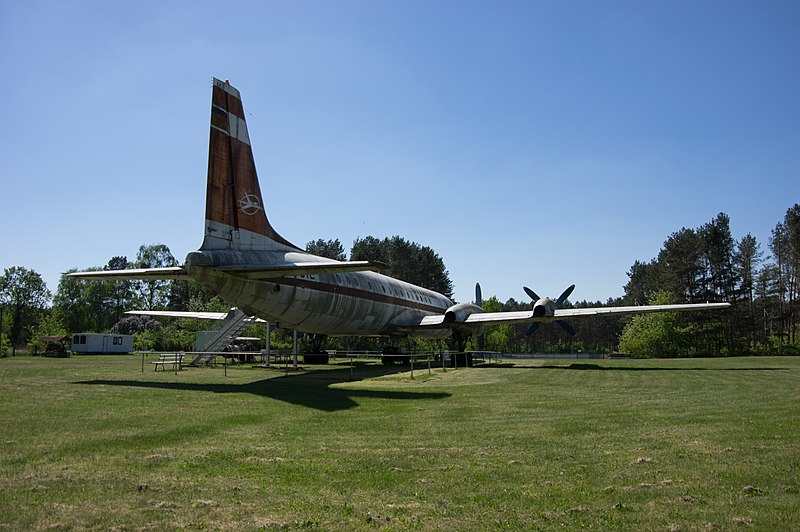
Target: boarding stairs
[(227, 330)]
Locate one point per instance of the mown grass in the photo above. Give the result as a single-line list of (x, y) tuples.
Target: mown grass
[(91, 442)]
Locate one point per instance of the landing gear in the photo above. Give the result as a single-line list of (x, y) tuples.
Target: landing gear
[(316, 358), (392, 355), (460, 358), (316, 346)]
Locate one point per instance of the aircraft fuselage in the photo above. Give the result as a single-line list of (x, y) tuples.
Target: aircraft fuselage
[(336, 304)]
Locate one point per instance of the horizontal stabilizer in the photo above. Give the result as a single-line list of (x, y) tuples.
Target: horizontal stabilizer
[(174, 273), (185, 314), (300, 268)]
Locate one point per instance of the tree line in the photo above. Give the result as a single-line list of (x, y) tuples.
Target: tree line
[(29, 311), (693, 265), (704, 264)]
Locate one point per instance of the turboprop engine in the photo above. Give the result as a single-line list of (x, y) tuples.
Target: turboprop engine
[(459, 313), (546, 307)]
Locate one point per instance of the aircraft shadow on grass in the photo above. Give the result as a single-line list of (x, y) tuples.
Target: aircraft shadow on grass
[(310, 389), (598, 367)]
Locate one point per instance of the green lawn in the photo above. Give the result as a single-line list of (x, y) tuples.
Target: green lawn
[(92, 442)]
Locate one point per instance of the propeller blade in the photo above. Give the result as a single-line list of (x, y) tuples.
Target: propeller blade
[(564, 295), (531, 293), (567, 327), (532, 328), (479, 302)]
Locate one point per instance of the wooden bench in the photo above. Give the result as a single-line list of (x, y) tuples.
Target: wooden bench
[(169, 359)]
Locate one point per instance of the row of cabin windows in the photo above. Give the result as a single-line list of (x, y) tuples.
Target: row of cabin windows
[(409, 294)]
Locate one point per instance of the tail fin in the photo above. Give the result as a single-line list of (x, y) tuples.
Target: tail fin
[(235, 215)]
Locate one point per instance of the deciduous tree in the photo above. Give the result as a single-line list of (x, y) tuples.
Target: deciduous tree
[(656, 335), (406, 260), (331, 249), (25, 295), (154, 294)]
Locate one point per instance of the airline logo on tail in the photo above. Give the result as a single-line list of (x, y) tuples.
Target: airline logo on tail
[(250, 204)]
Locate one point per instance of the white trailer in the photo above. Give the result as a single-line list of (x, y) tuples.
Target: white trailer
[(101, 343)]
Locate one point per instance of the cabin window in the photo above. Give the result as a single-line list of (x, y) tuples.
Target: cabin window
[(76, 339), (83, 339)]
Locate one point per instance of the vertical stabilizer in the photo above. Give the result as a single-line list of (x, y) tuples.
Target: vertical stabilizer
[(235, 215)]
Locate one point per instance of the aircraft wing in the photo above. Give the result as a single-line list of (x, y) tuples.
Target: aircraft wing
[(639, 309), (527, 316), (174, 273), (257, 272)]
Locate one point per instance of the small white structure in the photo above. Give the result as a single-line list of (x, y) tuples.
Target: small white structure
[(101, 343)]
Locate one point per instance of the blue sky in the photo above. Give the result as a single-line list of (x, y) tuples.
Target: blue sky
[(528, 143)]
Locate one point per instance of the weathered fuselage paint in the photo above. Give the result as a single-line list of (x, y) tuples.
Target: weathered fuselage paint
[(340, 304)]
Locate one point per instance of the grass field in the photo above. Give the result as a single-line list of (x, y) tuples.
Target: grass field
[(91, 442)]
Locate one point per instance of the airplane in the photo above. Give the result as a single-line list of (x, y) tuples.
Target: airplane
[(247, 263)]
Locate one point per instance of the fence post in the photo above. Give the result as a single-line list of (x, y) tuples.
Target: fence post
[(268, 347)]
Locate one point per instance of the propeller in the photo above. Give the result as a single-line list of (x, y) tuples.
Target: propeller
[(479, 302), (547, 307)]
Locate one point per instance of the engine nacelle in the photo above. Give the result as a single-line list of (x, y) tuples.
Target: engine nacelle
[(544, 307), (459, 313)]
